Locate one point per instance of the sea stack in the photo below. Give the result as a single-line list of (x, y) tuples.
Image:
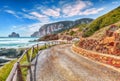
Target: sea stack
[(13, 34)]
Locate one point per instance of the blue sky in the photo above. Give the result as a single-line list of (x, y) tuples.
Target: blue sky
[(27, 16)]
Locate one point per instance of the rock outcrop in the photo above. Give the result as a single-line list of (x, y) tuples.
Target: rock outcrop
[(57, 27), (49, 37), (13, 34), (109, 44)]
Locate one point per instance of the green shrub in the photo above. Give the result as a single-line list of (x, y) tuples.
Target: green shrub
[(5, 70), (72, 32), (105, 20)]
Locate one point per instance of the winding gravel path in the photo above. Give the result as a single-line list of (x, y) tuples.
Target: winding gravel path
[(59, 63)]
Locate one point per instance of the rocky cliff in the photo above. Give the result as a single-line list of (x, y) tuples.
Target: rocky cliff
[(35, 34), (13, 34), (57, 27)]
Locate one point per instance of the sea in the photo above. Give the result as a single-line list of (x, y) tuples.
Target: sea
[(16, 43), (6, 42)]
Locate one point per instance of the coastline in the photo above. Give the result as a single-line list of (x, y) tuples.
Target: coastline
[(9, 54), (12, 48)]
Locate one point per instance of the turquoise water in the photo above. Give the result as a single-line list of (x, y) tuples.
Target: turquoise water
[(16, 42)]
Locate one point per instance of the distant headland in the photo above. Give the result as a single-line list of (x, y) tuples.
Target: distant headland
[(13, 34)]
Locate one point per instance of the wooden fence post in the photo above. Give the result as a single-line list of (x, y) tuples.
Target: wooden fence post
[(49, 44), (30, 70), (55, 42), (19, 73), (33, 50), (45, 45), (37, 48)]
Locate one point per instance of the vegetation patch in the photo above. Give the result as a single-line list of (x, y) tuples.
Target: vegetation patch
[(5, 70), (72, 33), (105, 20)]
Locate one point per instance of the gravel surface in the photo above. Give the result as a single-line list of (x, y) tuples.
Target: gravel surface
[(59, 63)]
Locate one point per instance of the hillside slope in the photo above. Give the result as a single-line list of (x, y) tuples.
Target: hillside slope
[(69, 34), (100, 33), (103, 21)]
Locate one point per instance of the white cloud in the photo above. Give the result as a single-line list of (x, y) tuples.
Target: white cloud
[(79, 8), (91, 11), (70, 10), (36, 14), (5, 6), (62, 2), (14, 27), (27, 30), (67, 9), (102, 1), (115, 2), (52, 12), (35, 27), (24, 10), (40, 17), (12, 12), (28, 16), (31, 27)]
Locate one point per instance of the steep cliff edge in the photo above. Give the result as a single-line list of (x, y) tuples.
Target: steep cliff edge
[(57, 27)]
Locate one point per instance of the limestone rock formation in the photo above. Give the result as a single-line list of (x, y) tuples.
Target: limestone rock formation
[(13, 34), (54, 28)]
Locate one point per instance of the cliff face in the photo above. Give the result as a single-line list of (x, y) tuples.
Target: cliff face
[(57, 27), (13, 34), (35, 34)]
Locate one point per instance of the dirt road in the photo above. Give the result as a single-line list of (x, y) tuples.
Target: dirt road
[(59, 63)]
